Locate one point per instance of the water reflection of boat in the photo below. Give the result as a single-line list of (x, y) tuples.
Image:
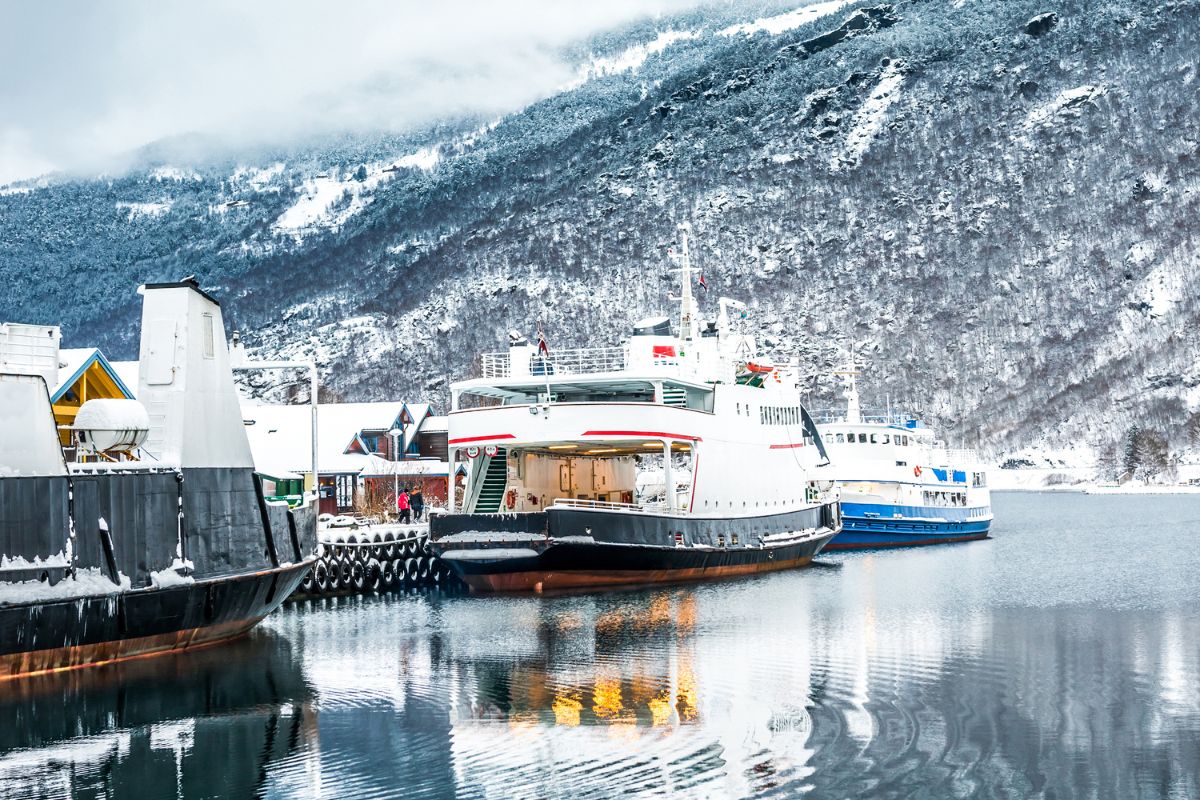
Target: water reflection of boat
[(208, 723), (627, 680)]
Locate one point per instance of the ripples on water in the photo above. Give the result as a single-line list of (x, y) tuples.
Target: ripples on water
[(1059, 660)]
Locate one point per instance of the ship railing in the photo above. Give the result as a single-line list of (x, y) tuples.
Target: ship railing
[(871, 416), (572, 361), (603, 505), (955, 457), (496, 365)]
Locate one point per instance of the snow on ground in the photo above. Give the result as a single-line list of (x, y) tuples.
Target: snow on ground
[(468, 140), (426, 158), (315, 207), (1068, 103), (1040, 479), (257, 178), (173, 174), (5, 191), (151, 210), (631, 58), (318, 195), (786, 22), (869, 119), (1161, 289)]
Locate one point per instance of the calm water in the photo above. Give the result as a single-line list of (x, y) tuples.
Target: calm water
[(1059, 660)]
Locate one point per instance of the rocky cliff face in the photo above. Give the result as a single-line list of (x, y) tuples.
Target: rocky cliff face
[(993, 204)]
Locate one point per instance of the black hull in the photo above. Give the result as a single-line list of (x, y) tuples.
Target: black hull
[(573, 548), (63, 634)]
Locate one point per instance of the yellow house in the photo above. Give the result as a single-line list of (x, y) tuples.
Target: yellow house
[(85, 374)]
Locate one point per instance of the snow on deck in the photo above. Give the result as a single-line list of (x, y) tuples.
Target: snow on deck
[(88, 582), (869, 119), (786, 22)]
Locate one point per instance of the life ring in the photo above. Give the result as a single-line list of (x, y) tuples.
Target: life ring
[(917, 471), (510, 499)]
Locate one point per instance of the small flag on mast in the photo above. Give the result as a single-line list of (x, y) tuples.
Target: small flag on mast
[(543, 348), (703, 283)]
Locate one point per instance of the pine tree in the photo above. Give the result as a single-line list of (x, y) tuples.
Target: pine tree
[(1130, 460)]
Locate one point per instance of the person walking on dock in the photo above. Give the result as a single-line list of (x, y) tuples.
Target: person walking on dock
[(417, 500), (403, 506)]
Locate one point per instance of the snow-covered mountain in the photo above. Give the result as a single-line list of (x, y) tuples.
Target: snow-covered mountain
[(994, 204)]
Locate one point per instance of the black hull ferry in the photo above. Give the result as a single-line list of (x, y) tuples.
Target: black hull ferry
[(565, 548), (672, 457), (156, 535)]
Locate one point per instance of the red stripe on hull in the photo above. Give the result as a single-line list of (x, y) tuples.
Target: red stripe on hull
[(786, 446), (904, 543), (59, 659), (493, 437), (538, 581)]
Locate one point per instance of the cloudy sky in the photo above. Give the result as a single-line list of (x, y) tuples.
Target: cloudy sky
[(84, 81)]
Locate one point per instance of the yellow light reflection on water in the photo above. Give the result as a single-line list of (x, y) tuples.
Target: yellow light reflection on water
[(606, 699), (567, 708)]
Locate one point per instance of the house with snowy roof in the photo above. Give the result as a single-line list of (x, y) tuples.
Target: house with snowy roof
[(365, 451)]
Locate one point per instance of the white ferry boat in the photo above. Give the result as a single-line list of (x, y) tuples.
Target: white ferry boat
[(557, 440), (899, 485)]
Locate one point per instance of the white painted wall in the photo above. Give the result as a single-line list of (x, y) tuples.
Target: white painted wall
[(186, 383)]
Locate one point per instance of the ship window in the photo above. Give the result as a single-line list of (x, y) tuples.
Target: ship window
[(840, 438), (862, 438), (886, 438), (209, 335), (874, 438)]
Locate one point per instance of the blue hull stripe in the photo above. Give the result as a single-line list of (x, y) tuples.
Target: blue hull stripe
[(870, 525)]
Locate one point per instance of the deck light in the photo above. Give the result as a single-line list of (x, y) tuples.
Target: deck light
[(602, 450), (563, 446)]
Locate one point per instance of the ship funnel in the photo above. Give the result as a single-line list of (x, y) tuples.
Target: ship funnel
[(28, 439), (185, 380)]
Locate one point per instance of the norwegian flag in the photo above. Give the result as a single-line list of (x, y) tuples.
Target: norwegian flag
[(703, 283), (543, 348)]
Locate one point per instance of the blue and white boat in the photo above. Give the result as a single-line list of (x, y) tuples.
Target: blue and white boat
[(899, 485)]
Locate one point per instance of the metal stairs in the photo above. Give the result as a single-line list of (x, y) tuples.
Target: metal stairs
[(495, 480)]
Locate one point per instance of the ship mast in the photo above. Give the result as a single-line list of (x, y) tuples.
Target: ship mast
[(687, 306), (853, 409)]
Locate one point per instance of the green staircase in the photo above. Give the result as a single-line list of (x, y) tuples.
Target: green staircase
[(674, 396), (491, 494)]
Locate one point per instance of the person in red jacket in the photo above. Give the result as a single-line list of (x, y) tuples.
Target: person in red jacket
[(404, 506)]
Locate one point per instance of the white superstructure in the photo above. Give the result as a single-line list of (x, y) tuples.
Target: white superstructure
[(549, 427), (899, 484)]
